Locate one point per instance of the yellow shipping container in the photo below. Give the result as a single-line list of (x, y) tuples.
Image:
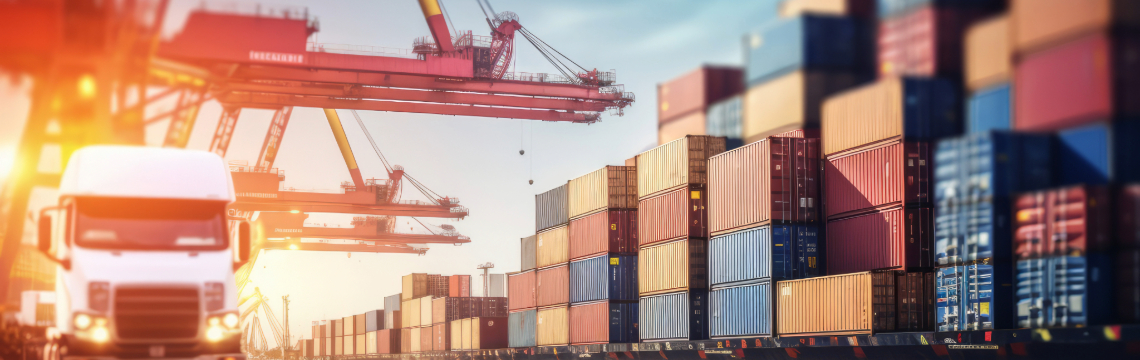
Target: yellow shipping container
[(457, 335), (338, 345), (552, 326), (425, 311), (410, 313), (789, 102), (553, 246), (465, 334), (349, 346), (668, 267), (414, 286), (692, 124), (370, 340), (361, 346), (862, 116), (611, 187), (989, 59), (675, 164), (416, 337), (794, 8)]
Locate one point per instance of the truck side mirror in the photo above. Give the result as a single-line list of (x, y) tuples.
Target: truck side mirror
[(243, 242), (44, 243)]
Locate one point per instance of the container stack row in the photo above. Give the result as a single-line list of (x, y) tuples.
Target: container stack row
[(437, 317)]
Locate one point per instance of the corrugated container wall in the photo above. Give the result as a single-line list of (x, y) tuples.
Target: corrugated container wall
[(898, 238), (893, 173), (692, 124), (1065, 291), (439, 310), (498, 287), (1038, 24), (1067, 221), (361, 344), (860, 303), (989, 57), (338, 345), (456, 335), (349, 323), (373, 320), (441, 337), (337, 327), (782, 252), (603, 322), (806, 42), (415, 286), (438, 285), (612, 231), (551, 208), (744, 310), (775, 179), (388, 341), (673, 266), (916, 109), (676, 164), (521, 293), (393, 320), (552, 326), (459, 285), (361, 324), (790, 101), (611, 187), (672, 215), (925, 42), (553, 247), (552, 286), (349, 345), (693, 91), (724, 119), (521, 328), (425, 311), (674, 316), (410, 315), (606, 277), (855, 8), (529, 252)]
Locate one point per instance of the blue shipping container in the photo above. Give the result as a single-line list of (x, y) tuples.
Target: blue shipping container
[(605, 277), (520, 328), (674, 316), (989, 109), (807, 42), (744, 310), (724, 119), (1099, 153), (781, 252), (950, 286), (989, 291), (623, 323), (1064, 291), (892, 8), (974, 176)]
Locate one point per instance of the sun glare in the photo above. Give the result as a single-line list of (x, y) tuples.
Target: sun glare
[(7, 160)]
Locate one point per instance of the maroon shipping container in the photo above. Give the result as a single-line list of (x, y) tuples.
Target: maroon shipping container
[(695, 90), (680, 213), (437, 285), (489, 333), (459, 286), (916, 301), (896, 238), (521, 290), (1083, 81), (1128, 285), (388, 341), (493, 307), (800, 133), (775, 179), (441, 337), (1060, 222), (895, 173), (613, 232), (1128, 216), (925, 42), (552, 286)]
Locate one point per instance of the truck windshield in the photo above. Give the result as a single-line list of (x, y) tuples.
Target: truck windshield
[(150, 224)]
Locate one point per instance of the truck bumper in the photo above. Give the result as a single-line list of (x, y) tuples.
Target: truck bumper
[(226, 349)]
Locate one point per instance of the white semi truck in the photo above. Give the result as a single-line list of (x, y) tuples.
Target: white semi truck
[(145, 255)]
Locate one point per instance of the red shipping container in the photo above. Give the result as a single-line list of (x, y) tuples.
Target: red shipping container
[(676, 214), (775, 179), (1062, 222), (1087, 80), (1128, 216), (924, 42), (441, 337), (459, 286), (520, 290), (388, 341), (896, 238), (895, 173), (695, 90), (613, 231), (552, 286)]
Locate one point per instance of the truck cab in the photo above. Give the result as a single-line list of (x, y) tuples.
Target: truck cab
[(146, 255)]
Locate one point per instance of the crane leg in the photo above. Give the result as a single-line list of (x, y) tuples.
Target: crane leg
[(273, 138), (225, 131), (345, 149)]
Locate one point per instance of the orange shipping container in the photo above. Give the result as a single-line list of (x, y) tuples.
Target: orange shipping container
[(789, 102), (553, 286), (552, 326), (1039, 24), (849, 304), (426, 338), (692, 124), (407, 345), (441, 337), (677, 214), (520, 290), (989, 60), (672, 266), (611, 187), (553, 247), (693, 91), (857, 8), (678, 163)]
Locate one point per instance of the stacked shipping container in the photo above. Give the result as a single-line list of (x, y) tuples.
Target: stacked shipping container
[(683, 103)]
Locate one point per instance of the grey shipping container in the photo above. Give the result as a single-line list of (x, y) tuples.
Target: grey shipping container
[(498, 286), (521, 328), (374, 320), (528, 252), (392, 302), (551, 208), (744, 310), (674, 316)]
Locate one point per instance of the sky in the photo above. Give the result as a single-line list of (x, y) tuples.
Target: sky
[(474, 159)]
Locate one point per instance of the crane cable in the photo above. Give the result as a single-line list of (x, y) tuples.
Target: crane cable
[(544, 49), (431, 195)]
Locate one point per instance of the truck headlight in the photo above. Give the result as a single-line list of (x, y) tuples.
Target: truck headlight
[(94, 326), (225, 321), (82, 321), (230, 320)]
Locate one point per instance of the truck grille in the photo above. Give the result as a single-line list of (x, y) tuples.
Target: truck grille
[(145, 313)]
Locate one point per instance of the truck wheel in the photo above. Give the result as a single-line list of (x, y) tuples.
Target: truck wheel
[(51, 350)]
